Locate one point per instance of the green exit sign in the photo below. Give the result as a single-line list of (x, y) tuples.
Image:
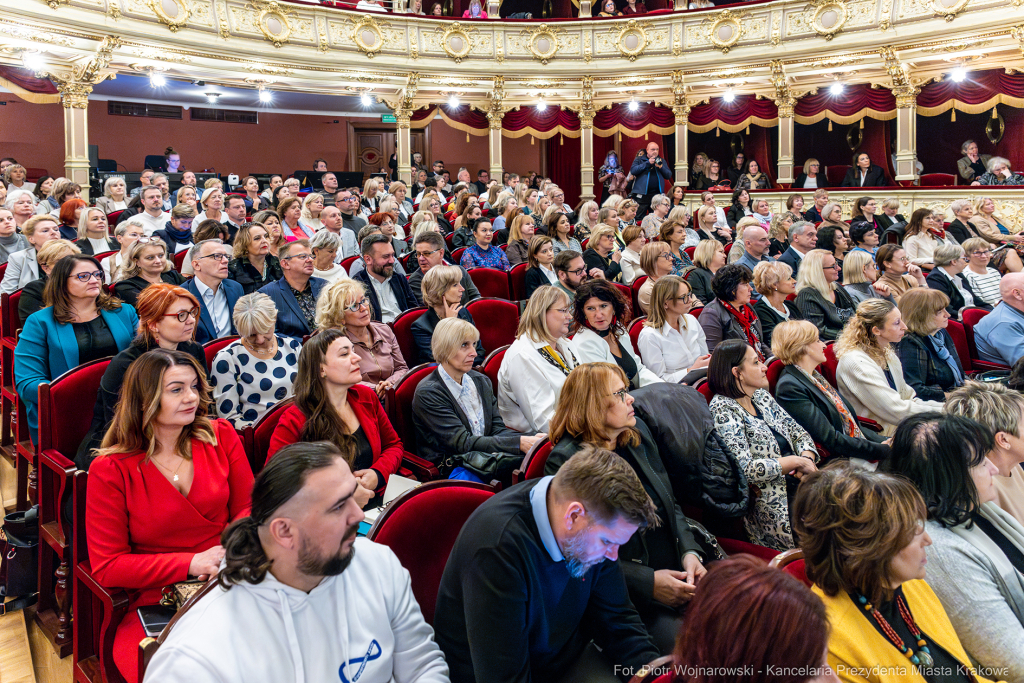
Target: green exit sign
[(388, 118)]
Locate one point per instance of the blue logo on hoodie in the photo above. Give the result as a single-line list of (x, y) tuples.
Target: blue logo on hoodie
[(373, 652)]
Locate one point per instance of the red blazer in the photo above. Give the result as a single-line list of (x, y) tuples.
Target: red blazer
[(142, 532), (387, 447)]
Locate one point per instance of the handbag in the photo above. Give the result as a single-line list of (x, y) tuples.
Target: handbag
[(19, 562), (177, 594), (487, 466)]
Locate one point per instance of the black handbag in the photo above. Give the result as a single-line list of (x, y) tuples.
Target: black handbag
[(19, 563), (487, 466)]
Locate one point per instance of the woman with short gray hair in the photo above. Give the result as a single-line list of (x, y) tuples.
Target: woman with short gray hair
[(999, 173), (946, 277), (250, 376), (325, 245), (660, 206)]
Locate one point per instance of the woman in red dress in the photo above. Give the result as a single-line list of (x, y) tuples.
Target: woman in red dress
[(165, 484), (332, 405)]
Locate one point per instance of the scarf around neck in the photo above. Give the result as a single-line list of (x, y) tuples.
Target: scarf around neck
[(746, 317)]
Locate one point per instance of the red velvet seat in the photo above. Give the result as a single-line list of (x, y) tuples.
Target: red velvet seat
[(497, 320), (734, 547), (690, 250), (34, 174), (695, 312), (421, 526), (400, 403), (938, 180), (214, 345), (346, 263), (584, 243), (635, 293), (635, 327), (704, 389), (492, 364), (448, 240), (457, 256), (402, 327), (408, 261), (836, 175), (257, 436), (10, 324), (517, 281), (491, 282), (791, 562), (113, 216), (774, 370), (105, 254), (626, 292), (972, 316), (63, 424), (533, 463), (828, 368), (963, 350), (179, 259)]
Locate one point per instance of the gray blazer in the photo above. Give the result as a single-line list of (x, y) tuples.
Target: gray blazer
[(981, 591), (719, 325), (22, 268)]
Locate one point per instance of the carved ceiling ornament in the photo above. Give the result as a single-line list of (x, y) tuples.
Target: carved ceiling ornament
[(681, 106), (456, 40), (76, 81), (828, 17), (496, 107), (273, 20), (902, 88), (159, 55), (34, 35), (948, 8), (632, 38), (725, 28), (183, 10), (404, 104), (542, 41)]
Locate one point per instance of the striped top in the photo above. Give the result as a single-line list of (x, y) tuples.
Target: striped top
[(985, 287)]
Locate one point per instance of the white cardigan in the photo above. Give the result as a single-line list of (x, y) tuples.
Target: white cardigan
[(594, 349), (528, 385), (863, 382)]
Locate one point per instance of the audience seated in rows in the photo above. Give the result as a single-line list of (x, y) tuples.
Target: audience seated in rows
[(32, 296), (251, 375), (766, 441), (162, 489), (672, 342), (167, 320), (331, 404), (869, 372)]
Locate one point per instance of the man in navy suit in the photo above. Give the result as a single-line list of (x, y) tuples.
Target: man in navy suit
[(802, 238), (216, 293), (652, 175), (295, 294), (388, 291)]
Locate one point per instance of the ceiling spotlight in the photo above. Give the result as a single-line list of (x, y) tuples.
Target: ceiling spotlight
[(959, 74), (634, 105), (157, 79), (33, 60), (453, 102), (836, 88), (542, 105), (729, 96), (211, 97), (365, 100), (266, 96)]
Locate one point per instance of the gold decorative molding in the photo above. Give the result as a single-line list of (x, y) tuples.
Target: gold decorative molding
[(829, 17), (456, 40), (76, 81), (114, 10), (268, 70), (496, 107), (159, 55), (542, 41), (958, 46), (172, 22), (632, 38), (35, 35), (950, 10), (54, 4), (902, 88), (272, 15), (725, 28), (681, 105)]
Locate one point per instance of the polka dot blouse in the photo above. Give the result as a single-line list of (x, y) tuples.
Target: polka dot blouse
[(245, 387)]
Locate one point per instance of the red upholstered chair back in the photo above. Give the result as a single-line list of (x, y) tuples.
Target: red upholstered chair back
[(100, 257), (635, 293), (112, 218), (262, 431), (493, 363), (658, 671), (938, 180), (491, 282), (421, 526), (517, 281), (626, 292), (695, 312), (774, 370), (533, 463), (400, 401), (408, 263), (497, 320), (449, 240), (836, 174), (704, 389), (402, 327), (972, 316), (214, 345), (635, 328), (3, 269), (584, 243), (346, 263), (791, 562), (733, 547), (690, 250), (959, 335), (457, 256), (63, 418), (179, 259), (10, 323), (828, 368)]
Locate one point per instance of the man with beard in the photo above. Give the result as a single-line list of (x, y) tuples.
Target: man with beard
[(571, 272), (533, 577), (300, 597), (389, 293)]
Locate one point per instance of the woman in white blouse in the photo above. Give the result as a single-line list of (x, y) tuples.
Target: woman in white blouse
[(538, 361), (634, 238), (672, 343), (93, 237), (212, 203), (600, 320), (869, 373), (984, 280), (922, 235), (125, 234)]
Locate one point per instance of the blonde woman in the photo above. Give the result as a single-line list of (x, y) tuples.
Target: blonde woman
[(682, 215), (187, 195), (993, 229), (656, 262), (774, 281), (522, 231), (778, 232), (818, 296), (708, 257), (538, 361), (869, 372), (22, 267), (312, 205), (442, 294), (505, 207), (588, 220), (633, 238), (93, 237), (115, 195), (213, 205), (672, 342), (145, 264), (370, 199), (983, 279), (860, 278)]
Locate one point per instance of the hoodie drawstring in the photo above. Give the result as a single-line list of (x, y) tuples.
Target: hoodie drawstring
[(293, 640)]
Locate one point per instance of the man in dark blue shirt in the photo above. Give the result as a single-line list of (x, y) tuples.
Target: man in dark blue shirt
[(651, 176)]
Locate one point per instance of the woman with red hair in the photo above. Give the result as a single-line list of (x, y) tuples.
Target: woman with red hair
[(167, 320), (70, 215), (751, 623), (386, 223)]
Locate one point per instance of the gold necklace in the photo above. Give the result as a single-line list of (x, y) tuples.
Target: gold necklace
[(174, 474)]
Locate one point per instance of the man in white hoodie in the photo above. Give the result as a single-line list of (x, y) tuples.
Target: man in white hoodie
[(301, 598)]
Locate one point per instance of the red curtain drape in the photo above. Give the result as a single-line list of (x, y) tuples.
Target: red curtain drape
[(564, 165), (981, 90), (648, 118), (531, 121), (855, 102), (733, 116), (23, 78)]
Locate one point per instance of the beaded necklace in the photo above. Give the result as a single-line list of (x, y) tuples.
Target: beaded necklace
[(923, 656)]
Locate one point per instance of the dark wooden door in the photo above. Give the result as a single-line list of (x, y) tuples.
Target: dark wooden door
[(373, 148)]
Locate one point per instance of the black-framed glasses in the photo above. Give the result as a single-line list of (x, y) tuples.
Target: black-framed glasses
[(577, 272), (357, 305), (219, 256), (981, 253), (834, 266), (304, 257), (85, 277), (427, 254), (686, 298), (182, 316), (621, 394)]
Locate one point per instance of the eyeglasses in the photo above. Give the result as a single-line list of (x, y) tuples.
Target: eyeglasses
[(85, 277), (685, 298), (834, 266), (182, 316), (427, 254), (577, 272), (304, 257), (357, 305), (665, 255), (981, 253), (219, 256), (564, 311), (621, 394)]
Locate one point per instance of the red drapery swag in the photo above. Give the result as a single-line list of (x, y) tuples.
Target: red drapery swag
[(855, 103), (732, 117), (980, 92), (25, 85)]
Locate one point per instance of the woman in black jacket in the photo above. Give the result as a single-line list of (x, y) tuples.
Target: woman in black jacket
[(442, 294), (146, 264), (946, 277), (811, 166), (93, 237), (864, 173), (740, 207), (820, 300), (444, 430), (541, 259), (816, 405), (931, 365), (252, 265)]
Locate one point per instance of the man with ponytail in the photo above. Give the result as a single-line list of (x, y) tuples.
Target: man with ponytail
[(301, 598)]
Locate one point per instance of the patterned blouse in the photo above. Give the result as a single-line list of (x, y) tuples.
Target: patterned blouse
[(572, 245), (245, 387), (681, 263), (494, 257)]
